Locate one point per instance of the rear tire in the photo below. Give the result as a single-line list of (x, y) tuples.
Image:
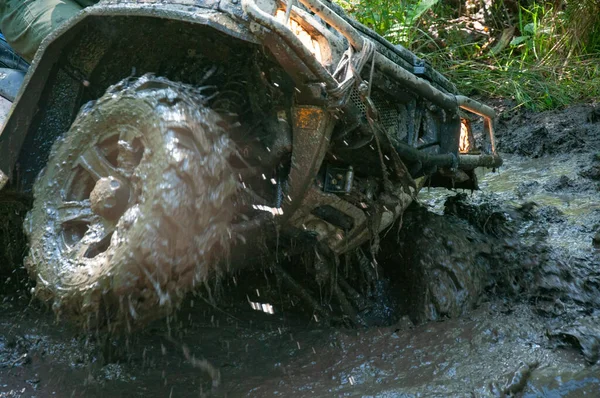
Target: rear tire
[(134, 206)]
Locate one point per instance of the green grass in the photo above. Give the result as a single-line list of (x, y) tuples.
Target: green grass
[(541, 54), (528, 84), (396, 20)]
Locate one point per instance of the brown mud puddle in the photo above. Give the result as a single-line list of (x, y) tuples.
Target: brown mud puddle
[(477, 355), (500, 348), (541, 340)]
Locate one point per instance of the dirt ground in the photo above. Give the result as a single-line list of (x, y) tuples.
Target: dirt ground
[(504, 301)]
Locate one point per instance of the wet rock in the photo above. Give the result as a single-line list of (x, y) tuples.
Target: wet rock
[(583, 334)]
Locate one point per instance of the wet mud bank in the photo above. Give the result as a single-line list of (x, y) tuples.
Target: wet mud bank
[(499, 347), (13, 209), (490, 294)]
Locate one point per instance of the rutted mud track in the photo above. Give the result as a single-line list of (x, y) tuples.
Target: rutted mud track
[(510, 277)]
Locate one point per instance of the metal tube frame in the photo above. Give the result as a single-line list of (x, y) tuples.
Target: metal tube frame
[(291, 40), (421, 86), (488, 114), (418, 85)]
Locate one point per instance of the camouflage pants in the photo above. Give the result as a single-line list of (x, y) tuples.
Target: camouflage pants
[(25, 23)]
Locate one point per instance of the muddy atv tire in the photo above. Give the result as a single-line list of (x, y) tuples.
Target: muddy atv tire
[(134, 206)]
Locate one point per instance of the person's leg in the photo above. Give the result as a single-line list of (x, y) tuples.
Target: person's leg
[(25, 23), (9, 58)]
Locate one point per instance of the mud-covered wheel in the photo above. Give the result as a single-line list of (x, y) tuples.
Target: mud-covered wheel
[(134, 206)]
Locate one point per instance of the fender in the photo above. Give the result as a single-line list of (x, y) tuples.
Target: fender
[(95, 49)]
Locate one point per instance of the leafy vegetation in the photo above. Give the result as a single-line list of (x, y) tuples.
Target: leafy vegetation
[(543, 54)]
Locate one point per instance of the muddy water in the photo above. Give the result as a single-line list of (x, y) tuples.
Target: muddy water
[(480, 354), (549, 182), (501, 347), (553, 182)]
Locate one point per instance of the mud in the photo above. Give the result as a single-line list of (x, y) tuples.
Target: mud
[(479, 354), (444, 281), (502, 299), (534, 135), (130, 210), (12, 241)]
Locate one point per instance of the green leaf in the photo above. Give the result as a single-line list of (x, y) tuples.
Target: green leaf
[(519, 40), (421, 8), (529, 28)]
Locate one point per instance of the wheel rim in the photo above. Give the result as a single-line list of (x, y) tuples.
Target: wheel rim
[(97, 192), (134, 206)]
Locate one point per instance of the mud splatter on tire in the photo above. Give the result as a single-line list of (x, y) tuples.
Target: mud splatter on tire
[(150, 242)]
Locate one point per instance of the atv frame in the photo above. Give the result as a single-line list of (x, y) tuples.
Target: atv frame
[(330, 90)]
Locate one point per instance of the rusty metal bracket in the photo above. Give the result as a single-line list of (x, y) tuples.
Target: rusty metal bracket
[(312, 127), (334, 237), (488, 114), (338, 179)]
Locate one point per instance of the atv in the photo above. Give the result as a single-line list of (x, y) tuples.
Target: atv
[(166, 144)]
